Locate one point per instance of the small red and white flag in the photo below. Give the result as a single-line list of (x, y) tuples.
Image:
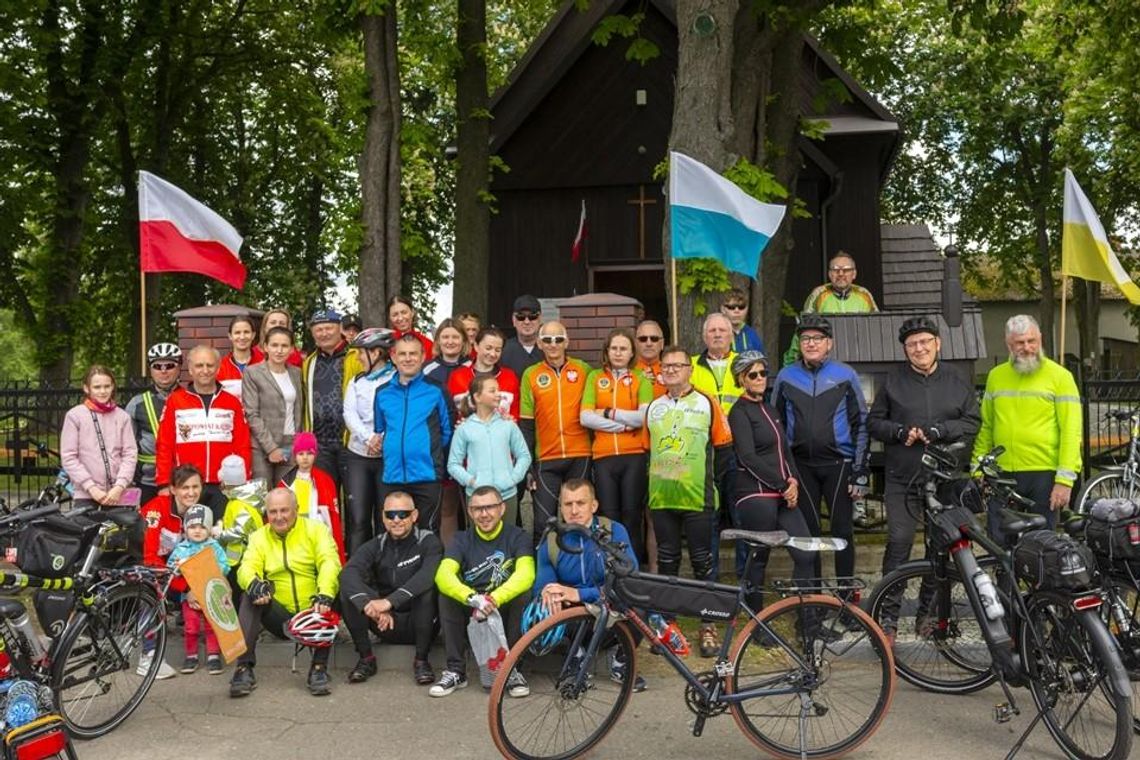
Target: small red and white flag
[(180, 234), (580, 238)]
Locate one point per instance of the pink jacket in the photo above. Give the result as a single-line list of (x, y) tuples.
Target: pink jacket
[(79, 449)]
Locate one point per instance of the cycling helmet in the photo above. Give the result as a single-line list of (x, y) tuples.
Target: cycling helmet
[(312, 629), (375, 337), (813, 322), (917, 325), (533, 614), (169, 351), (746, 359)]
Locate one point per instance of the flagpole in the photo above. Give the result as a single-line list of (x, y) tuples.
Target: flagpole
[(142, 319), (676, 336)]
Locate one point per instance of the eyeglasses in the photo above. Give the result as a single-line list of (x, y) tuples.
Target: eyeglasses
[(525, 316), (674, 367), (735, 306), (910, 345), (164, 366), (398, 514), (842, 270), (480, 509), (553, 340), (649, 338), (809, 339), (756, 374)]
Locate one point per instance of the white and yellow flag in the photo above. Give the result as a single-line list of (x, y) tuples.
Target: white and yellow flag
[(1085, 251)]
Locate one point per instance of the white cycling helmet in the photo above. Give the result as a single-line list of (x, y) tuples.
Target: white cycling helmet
[(169, 351), (312, 629)]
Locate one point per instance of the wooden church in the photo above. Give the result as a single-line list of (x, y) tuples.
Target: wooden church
[(577, 122)]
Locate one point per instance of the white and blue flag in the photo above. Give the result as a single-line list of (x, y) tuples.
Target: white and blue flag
[(712, 218)]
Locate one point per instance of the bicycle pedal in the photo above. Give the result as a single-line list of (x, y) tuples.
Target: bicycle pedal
[(1004, 712)]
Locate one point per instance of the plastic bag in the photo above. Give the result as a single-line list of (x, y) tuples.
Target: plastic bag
[(488, 643), (1112, 510)]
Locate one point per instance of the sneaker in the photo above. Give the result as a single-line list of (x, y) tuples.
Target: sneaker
[(617, 672), (319, 681), (364, 669), (190, 664), (423, 672), (164, 670), (243, 681), (214, 665), (517, 686), (709, 644), (448, 682)]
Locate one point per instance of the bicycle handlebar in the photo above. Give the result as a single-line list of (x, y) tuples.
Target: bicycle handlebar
[(18, 518), (616, 559)]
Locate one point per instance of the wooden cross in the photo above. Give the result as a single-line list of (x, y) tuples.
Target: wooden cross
[(641, 202)]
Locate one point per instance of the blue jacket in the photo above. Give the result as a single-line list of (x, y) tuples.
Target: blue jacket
[(824, 413), (485, 451), (586, 571), (747, 340), (417, 428)]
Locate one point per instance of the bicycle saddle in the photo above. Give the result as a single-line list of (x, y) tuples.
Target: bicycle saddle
[(1015, 523), (11, 608), (756, 537)]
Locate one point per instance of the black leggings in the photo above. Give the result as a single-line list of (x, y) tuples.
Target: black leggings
[(764, 513), (697, 527), (416, 624), (551, 475), (828, 482), (272, 617), (621, 481), (362, 499)]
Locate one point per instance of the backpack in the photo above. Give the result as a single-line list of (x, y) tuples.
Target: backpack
[(552, 548)]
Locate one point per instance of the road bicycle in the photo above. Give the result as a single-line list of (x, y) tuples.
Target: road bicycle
[(93, 665), (809, 676), (1036, 630), (1121, 482)]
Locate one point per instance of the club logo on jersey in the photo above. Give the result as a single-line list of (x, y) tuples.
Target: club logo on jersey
[(572, 376), (627, 380), (604, 383), (543, 380)]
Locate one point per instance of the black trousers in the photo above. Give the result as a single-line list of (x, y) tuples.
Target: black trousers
[(906, 507), (362, 499), (426, 497), (621, 482), (414, 624), (1036, 485), (453, 618), (272, 617), (821, 483), (333, 459), (764, 513), (697, 528), (552, 473)]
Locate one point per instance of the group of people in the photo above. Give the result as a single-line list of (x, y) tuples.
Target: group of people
[(435, 441)]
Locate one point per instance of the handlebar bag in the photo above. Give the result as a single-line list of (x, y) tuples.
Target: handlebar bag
[(1048, 560), (1117, 540), (678, 596), (50, 547)]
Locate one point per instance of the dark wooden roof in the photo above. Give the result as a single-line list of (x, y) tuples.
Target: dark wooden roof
[(912, 268), (874, 338)]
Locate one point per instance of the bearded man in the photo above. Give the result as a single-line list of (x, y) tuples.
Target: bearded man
[(1032, 407)]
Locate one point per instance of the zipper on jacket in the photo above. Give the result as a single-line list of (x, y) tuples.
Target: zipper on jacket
[(285, 561), (403, 435)]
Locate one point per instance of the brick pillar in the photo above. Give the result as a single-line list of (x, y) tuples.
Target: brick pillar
[(589, 318), (209, 325)]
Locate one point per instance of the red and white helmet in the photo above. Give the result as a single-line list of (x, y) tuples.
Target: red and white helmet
[(312, 629)]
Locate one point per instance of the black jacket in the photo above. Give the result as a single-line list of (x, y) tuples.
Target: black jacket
[(942, 403), (399, 571), (763, 460)]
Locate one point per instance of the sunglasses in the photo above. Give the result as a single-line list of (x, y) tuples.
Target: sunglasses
[(479, 509), (398, 514), (756, 374), (735, 306), (842, 270), (649, 338), (526, 316), (164, 366), (553, 340)]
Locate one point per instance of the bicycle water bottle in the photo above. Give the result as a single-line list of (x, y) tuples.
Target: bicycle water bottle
[(988, 593), (22, 705), (669, 635), (35, 646)]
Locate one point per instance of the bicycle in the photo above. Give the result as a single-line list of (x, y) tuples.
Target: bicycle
[(809, 676), (1123, 481), (92, 665), (1044, 636)]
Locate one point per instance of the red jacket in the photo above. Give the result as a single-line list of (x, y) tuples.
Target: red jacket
[(229, 374), (327, 500), (461, 378), (189, 434), (163, 531)]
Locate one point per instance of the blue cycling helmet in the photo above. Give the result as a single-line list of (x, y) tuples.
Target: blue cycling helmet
[(533, 614)]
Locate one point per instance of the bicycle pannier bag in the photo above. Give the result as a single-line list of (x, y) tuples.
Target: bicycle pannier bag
[(50, 547), (1116, 540), (1048, 560), (678, 596), (1112, 510)]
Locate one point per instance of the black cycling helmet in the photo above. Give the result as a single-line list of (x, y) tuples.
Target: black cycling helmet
[(917, 325), (813, 322), (374, 337), (744, 360)]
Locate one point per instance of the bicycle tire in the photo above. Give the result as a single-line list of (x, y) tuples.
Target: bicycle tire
[(1110, 484), (1127, 640), (554, 721), (94, 673), (849, 664), (1071, 678), (953, 658)]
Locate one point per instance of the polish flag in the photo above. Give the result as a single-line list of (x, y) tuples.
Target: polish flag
[(179, 234), (580, 238)]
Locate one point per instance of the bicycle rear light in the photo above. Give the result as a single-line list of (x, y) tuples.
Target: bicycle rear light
[(1090, 602)]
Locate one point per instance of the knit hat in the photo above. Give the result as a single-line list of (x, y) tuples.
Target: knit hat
[(304, 442), (233, 471), (199, 514)]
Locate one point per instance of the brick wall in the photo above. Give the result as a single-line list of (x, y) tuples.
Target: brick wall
[(209, 325), (589, 319)]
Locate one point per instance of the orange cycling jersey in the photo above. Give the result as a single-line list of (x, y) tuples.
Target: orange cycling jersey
[(604, 391), (652, 370), (553, 398)]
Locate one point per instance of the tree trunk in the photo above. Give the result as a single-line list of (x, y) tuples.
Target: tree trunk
[(473, 134), (380, 266)]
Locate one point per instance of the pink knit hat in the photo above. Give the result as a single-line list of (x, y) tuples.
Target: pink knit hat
[(304, 442)]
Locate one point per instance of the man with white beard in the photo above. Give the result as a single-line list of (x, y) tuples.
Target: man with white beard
[(1032, 407)]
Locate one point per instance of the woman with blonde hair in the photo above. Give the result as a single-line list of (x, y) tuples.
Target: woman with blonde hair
[(97, 445)]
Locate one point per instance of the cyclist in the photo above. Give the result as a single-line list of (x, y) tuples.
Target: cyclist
[(840, 295), (451, 352), (744, 336), (244, 353), (488, 351), (518, 352), (279, 318), (290, 565), (388, 588), (350, 327), (97, 445), (1032, 407), (401, 319), (164, 362), (325, 375), (650, 341)]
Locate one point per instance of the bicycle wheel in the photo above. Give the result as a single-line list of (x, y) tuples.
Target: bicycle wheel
[(939, 645), (95, 673), (842, 666), (1127, 634), (1071, 676), (573, 704), (1107, 485)]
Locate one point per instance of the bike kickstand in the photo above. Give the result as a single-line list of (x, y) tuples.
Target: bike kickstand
[(1024, 736)]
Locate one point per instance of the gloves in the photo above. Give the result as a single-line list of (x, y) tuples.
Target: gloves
[(859, 484), (901, 434), (932, 433), (322, 599), (482, 605), (259, 588)]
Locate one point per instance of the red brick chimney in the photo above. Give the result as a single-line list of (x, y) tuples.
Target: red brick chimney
[(589, 318)]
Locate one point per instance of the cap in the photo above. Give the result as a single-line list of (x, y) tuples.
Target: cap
[(527, 302), (199, 514), (323, 316), (232, 472), (304, 442), (352, 320)]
